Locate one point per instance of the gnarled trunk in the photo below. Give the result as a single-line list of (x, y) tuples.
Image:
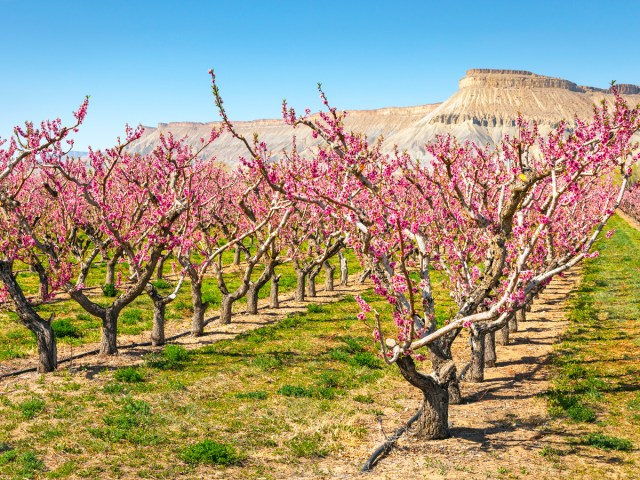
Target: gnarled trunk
[(441, 358), (46, 339), (513, 322), (274, 302), (434, 422), (328, 278), (157, 331), (109, 338), (364, 275), (300, 283), (503, 338), (110, 277), (226, 309), (311, 282), (476, 368), (490, 350), (236, 256), (252, 298), (160, 266), (199, 308)]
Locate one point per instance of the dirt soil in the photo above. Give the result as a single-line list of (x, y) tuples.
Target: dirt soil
[(499, 429)]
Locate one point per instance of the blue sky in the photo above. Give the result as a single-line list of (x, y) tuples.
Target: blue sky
[(146, 61)]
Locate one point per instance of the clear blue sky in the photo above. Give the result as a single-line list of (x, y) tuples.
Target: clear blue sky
[(147, 61)]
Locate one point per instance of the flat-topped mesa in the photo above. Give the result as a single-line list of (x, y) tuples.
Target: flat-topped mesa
[(628, 89), (493, 78)]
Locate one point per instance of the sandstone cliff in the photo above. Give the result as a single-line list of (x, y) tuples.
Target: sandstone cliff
[(483, 109)]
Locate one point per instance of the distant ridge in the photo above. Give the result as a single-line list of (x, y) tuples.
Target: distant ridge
[(484, 109)]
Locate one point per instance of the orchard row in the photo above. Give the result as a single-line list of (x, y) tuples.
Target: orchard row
[(499, 222)]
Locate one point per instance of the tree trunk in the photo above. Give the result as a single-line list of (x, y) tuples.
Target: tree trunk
[(434, 422), (490, 350), (441, 358), (225, 309), (199, 308), (364, 275), (109, 338), (503, 338), (110, 277), (311, 282), (328, 279), (236, 256), (157, 332), (46, 339), (513, 322), (344, 269), (273, 295), (160, 267), (300, 282), (252, 299), (521, 316), (476, 369), (47, 348)]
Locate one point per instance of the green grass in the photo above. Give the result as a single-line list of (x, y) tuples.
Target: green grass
[(596, 366), (605, 442), (210, 452), (277, 395), (75, 327)]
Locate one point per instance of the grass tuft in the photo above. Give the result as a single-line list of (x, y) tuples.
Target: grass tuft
[(605, 442), (210, 452), (128, 375)]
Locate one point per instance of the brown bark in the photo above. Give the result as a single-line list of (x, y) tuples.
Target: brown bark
[(300, 284), (273, 295), (434, 422), (328, 279), (226, 309), (311, 282), (503, 338), (109, 337), (45, 338), (490, 350), (199, 308), (476, 368)]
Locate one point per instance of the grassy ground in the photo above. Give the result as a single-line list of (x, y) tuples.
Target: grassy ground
[(75, 327), (596, 388), (281, 395)]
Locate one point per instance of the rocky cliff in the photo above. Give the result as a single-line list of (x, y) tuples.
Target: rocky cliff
[(484, 109)]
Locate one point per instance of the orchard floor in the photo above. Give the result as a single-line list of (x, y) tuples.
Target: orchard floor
[(502, 430), (132, 354)]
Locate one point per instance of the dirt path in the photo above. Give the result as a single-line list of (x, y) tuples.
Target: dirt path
[(214, 332), (500, 433)]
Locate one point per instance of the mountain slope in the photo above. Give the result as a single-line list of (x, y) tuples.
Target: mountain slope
[(484, 109)]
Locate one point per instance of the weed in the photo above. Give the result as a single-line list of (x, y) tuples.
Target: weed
[(295, 391), (267, 362), (365, 359), (259, 395), (314, 308), (129, 375), (161, 284), (63, 328), (307, 446), (30, 408), (363, 398), (211, 452), (109, 290), (605, 442)]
